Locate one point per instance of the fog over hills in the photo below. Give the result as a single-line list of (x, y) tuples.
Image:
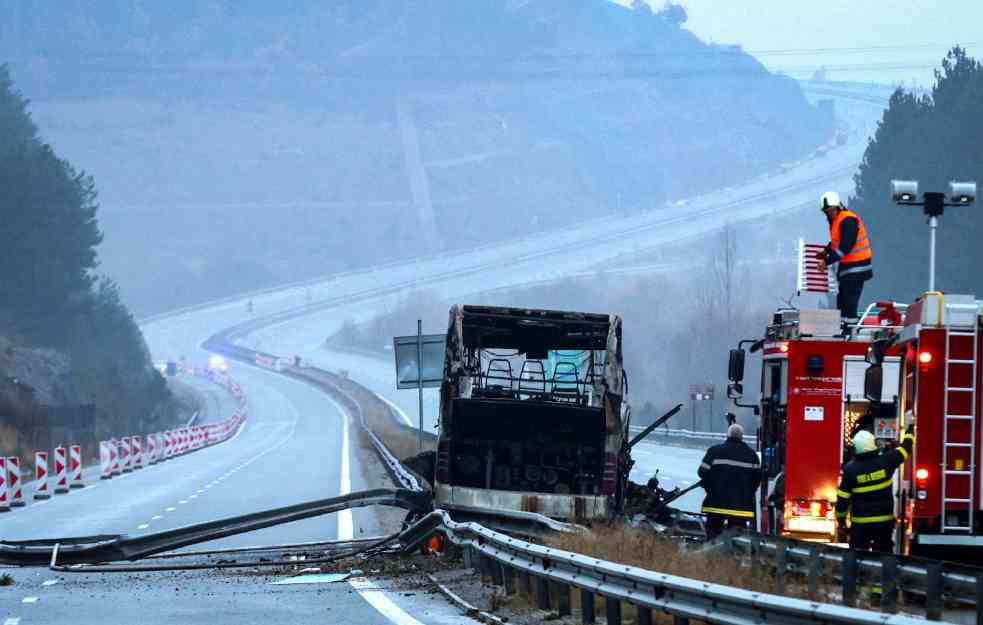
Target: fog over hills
[(237, 145)]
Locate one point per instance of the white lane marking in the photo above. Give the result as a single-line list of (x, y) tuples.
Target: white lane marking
[(375, 597), (155, 517), (171, 509), (12, 621), (193, 497), (143, 526), (183, 501), (199, 491), (29, 600), (346, 526), (49, 582)]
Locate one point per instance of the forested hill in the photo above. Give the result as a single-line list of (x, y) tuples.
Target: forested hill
[(933, 139), (65, 337), (404, 125)]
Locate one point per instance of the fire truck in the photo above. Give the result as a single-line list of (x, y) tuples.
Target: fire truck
[(813, 401), (940, 490), (914, 365)]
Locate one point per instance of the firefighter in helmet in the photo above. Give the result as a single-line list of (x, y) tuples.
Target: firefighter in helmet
[(730, 472), (865, 491), (849, 250)]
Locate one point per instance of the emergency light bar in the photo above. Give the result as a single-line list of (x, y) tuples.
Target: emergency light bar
[(810, 278)]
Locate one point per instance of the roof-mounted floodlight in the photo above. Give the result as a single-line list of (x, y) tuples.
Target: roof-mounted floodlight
[(904, 191), (962, 192)]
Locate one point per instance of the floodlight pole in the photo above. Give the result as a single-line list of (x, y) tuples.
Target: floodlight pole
[(419, 377)]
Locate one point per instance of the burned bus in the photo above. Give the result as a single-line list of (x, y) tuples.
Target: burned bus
[(533, 413)]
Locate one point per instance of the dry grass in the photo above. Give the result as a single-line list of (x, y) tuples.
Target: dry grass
[(646, 550)]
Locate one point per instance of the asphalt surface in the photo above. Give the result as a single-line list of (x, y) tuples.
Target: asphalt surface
[(295, 446)]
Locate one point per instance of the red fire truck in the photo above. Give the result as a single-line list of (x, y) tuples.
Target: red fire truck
[(940, 494), (920, 364), (812, 402)]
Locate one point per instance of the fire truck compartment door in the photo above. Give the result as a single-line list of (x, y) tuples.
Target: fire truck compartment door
[(854, 368)]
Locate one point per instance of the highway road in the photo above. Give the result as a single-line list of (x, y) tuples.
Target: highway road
[(298, 445)]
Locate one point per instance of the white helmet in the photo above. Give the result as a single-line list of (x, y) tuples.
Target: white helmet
[(829, 199), (864, 442)]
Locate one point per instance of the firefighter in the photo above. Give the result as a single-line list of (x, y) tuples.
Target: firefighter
[(730, 472), (866, 492), (849, 249)]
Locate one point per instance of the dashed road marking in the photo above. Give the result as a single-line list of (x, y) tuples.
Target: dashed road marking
[(143, 526), (171, 509), (49, 582), (29, 600), (183, 501), (155, 517), (193, 497), (12, 621)]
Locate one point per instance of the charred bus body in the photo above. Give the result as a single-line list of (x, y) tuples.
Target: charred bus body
[(518, 436)]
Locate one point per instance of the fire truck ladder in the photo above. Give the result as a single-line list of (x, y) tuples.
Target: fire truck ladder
[(949, 504)]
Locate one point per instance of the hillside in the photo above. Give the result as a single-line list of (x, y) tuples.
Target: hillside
[(333, 135)]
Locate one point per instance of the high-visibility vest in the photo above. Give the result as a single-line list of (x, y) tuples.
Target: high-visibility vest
[(861, 249)]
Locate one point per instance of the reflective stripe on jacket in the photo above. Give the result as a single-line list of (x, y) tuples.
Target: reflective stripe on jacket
[(851, 259), (730, 472), (865, 488)]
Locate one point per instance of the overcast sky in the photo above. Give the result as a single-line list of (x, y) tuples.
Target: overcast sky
[(912, 35)]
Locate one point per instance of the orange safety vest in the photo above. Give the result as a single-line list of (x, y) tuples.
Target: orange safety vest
[(861, 249)]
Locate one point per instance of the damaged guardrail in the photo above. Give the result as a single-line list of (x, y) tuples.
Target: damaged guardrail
[(110, 548), (552, 574)]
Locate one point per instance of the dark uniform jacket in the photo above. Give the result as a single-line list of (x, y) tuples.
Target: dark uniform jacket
[(730, 472), (865, 488)]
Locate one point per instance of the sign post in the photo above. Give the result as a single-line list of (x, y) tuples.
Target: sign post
[(419, 379), (701, 392), (419, 365)]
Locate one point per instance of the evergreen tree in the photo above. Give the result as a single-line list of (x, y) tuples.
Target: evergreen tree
[(932, 139)]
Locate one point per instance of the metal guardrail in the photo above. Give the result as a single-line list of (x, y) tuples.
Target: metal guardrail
[(554, 573), (108, 548), (683, 433), (935, 580)]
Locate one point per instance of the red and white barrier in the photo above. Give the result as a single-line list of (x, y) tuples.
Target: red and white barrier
[(136, 452), (105, 461), (16, 488), (61, 471), (75, 466), (4, 490), (125, 462), (115, 469), (41, 489), (151, 449)]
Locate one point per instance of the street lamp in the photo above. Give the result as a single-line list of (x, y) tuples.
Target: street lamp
[(905, 193)]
